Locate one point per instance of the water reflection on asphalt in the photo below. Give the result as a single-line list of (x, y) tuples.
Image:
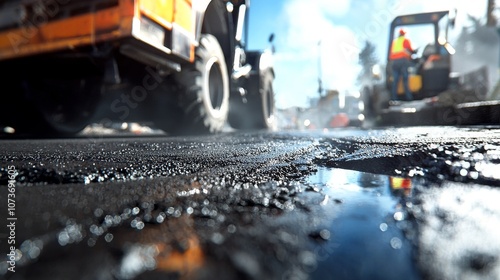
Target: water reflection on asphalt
[(367, 239)]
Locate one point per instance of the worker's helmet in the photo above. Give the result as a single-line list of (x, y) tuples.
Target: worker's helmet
[(402, 31)]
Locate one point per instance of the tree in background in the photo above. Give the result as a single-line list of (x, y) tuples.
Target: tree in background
[(367, 58)]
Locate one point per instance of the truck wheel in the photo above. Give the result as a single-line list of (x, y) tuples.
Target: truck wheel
[(266, 118), (258, 111), (60, 108), (204, 91)]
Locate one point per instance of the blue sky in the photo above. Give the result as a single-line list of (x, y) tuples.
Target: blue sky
[(342, 26)]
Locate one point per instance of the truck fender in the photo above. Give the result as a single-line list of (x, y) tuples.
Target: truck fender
[(199, 9)]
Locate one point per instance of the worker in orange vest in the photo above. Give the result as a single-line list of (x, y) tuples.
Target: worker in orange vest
[(400, 56)]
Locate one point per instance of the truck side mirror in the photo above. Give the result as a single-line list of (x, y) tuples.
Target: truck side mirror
[(271, 38)]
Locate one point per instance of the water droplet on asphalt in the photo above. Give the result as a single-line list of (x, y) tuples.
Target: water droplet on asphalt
[(396, 243), (160, 218), (463, 172), (108, 237), (32, 248), (231, 228), (91, 242), (324, 234), (383, 227), (98, 212), (177, 213), (140, 225), (217, 238), (63, 238), (398, 216)]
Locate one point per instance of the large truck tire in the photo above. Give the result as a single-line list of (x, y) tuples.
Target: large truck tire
[(257, 109), (203, 92), (57, 108)]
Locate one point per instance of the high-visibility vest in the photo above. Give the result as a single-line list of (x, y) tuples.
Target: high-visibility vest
[(398, 50)]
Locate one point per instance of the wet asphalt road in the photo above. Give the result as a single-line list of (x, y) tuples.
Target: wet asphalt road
[(408, 203)]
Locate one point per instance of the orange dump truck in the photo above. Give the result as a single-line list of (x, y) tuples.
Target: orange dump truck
[(181, 65)]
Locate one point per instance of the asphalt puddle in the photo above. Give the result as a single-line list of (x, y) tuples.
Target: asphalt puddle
[(366, 230)]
